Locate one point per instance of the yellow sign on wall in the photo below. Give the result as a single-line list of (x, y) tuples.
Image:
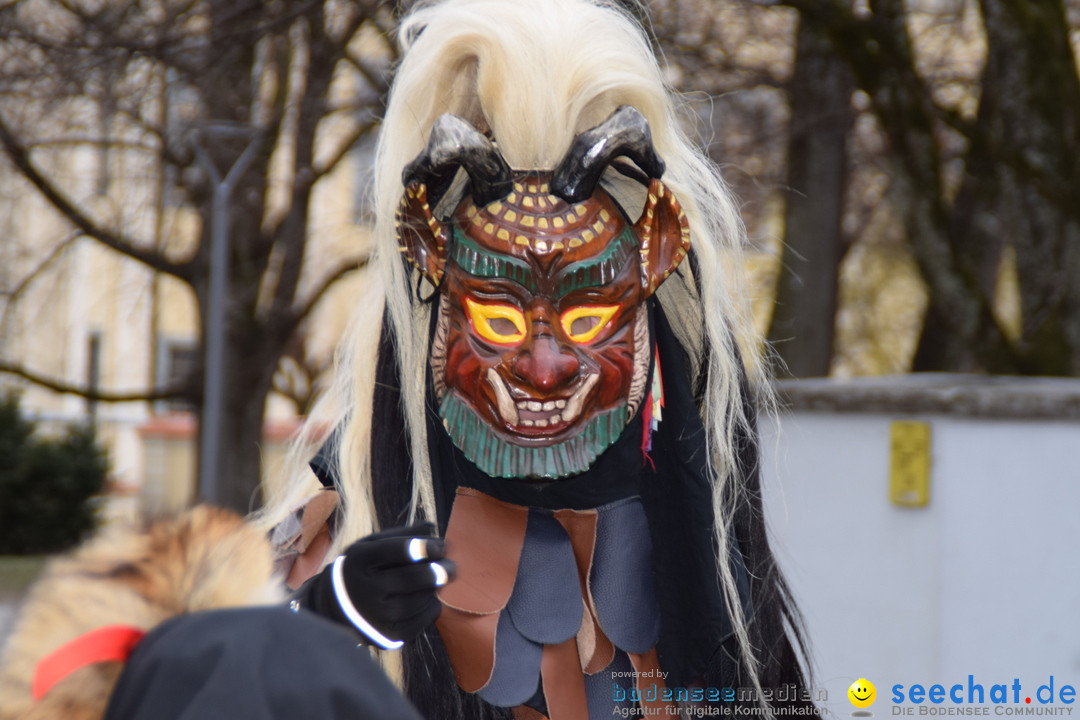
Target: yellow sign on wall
[(909, 463)]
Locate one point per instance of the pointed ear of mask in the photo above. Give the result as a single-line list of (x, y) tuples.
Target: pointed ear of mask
[(452, 144), (421, 238), (665, 236)]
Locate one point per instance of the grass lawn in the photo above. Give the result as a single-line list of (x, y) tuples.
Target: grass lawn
[(17, 572)]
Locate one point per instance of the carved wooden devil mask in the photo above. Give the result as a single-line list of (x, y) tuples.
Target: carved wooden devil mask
[(541, 350)]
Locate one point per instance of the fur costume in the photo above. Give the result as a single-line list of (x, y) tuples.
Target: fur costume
[(136, 578), (182, 618), (672, 503)]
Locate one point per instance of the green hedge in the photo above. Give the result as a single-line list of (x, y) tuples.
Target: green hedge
[(47, 485)]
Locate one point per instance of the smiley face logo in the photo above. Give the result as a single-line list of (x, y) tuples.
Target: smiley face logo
[(862, 693)]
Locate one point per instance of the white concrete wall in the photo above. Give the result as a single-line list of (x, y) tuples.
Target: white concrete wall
[(985, 580)]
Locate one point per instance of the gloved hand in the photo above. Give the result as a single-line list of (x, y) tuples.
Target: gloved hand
[(384, 584)]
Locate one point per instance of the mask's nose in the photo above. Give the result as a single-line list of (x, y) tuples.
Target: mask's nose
[(545, 366)]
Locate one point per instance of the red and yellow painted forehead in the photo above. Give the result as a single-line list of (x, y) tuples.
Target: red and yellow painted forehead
[(530, 220)]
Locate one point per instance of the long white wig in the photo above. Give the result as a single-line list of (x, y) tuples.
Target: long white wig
[(534, 73)]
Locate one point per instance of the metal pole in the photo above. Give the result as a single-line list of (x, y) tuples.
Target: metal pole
[(216, 320), (93, 375)]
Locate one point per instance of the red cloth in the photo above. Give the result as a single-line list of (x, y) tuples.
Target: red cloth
[(112, 643)]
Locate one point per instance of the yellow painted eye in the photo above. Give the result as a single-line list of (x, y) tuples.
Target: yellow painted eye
[(583, 323), (497, 323)]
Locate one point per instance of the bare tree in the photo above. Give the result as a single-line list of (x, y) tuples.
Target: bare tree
[(1018, 185), (819, 91), (185, 88), (732, 60), (1019, 189)]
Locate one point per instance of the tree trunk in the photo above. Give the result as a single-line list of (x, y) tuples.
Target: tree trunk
[(1021, 156), (1033, 92), (963, 335), (821, 119), (239, 467)]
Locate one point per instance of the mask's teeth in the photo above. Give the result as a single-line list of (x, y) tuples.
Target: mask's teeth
[(503, 402), (574, 405)]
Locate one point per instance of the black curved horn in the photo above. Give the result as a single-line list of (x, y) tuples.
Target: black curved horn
[(625, 133), (455, 142)]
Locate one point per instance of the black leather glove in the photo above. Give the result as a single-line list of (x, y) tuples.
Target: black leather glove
[(384, 584)]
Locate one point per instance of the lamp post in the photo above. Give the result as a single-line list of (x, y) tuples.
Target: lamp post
[(217, 298)]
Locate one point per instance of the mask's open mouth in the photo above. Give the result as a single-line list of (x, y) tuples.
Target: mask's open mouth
[(538, 417)]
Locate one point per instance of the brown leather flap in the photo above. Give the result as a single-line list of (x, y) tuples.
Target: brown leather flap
[(484, 537), (470, 645)]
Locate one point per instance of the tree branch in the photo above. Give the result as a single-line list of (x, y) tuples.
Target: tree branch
[(378, 84), (13, 295), (343, 149), (344, 268), (296, 379), (30, 276), (168, 154), (20, 157), (1063, 195), (89, 141), (65, 388)]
